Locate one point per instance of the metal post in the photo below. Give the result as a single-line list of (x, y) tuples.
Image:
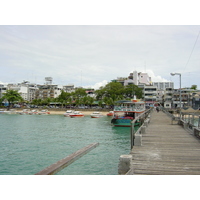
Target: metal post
[(173, 74), (132, 134), (180, 92)]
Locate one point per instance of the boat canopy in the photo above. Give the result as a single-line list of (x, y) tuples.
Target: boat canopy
[(129, 102), (123, 101)]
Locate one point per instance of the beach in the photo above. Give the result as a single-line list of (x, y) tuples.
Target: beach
[(53, 112)]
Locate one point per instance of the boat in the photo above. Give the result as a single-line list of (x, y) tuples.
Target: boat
[(76, 114), (67, 113), (33, 112), (96, 115), (126, 111), (11, 111), (110, 113), (43, 112), (24, 112), (2, 111)]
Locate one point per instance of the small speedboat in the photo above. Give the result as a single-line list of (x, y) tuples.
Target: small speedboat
[(2, 111), (67, 113), (43, 112), (96, 115), (111, 113), (76, 114), (33, 112), (24, 112)]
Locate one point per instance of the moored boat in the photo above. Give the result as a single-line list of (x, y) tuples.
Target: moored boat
[(43, 112), (111, 113), (76, 114), (11, 111), (24, 112), (67, 113), (126, 111), (33, 112), (2, 111), (96, 115)]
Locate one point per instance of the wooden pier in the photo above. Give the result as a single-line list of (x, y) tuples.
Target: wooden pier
[(167, 149)]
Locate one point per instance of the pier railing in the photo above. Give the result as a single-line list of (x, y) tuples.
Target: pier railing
[(61, 164), (190, 121), (136, 132), (172, 116)]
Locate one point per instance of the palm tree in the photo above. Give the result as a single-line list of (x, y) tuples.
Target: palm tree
[(11, 96)]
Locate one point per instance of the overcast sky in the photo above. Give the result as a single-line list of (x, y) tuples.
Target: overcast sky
[(94, 55)]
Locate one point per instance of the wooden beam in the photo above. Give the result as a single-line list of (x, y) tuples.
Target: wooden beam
[(56, 167)]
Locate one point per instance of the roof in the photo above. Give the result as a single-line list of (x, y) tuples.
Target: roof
[(190, 110), (129, 102)]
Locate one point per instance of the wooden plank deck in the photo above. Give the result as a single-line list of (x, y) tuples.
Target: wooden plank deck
[(166, 150)]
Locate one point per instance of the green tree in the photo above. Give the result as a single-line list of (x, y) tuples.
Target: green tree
[(12, 96), (113, 88), (194, 87), (37, 102), (85, 100), (80, 93), (100, 103), (46, 101), (90, 101), (69, 101), (131, 90), (116, 91)]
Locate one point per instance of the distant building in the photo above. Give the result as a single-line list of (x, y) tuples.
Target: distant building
[(3, 89), (48, 91), (69, 88), (90, 92), (195, 100), (144, 78), (163, 85), (134, 78), (25, 89), (186, 97), (150, 94)]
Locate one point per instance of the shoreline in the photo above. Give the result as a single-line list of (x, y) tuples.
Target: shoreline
[(104, 113), (62, 112)]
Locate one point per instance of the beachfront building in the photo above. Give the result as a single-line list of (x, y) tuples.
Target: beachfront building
[(69, 88), (90, 92), (134, 78), (187, 95), (48, 91), (25, 89), (144, 78), (150, 94), (3, 89), (163, 85), (164, 93), (167, 97)]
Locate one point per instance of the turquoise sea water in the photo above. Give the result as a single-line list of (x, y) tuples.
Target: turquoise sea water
[(29, 143)]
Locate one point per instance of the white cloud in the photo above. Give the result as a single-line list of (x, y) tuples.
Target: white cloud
[(155, 78), (1, 83), (100, 52), (97, 85)]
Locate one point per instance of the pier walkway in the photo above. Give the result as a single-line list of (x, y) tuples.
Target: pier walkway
[(166, 150)]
